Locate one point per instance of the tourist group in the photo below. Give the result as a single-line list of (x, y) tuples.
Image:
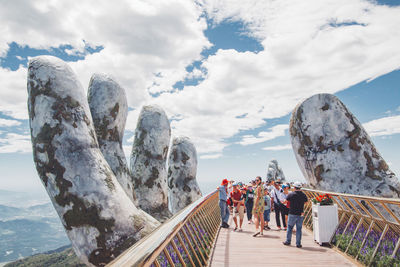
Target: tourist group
[(258, 199)]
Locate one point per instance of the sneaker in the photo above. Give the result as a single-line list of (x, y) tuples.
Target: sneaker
[(240, 229), (261, 233), (225, 225), (299, 246), (256, 234), (249, 222), (235, 229), (268, 228), (286, 243), (285, 228), (279, 228)]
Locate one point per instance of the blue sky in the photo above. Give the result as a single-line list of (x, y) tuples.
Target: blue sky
[(226, 74)]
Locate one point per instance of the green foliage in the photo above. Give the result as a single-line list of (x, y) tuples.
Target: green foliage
[(65, 258), (383, 256)]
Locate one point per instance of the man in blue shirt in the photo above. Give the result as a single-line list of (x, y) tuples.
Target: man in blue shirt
[(223, 197)]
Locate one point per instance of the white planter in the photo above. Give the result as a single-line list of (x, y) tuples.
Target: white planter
[(325, 221)]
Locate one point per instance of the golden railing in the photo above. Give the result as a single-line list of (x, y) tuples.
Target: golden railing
[(368, 229), (187, 239)]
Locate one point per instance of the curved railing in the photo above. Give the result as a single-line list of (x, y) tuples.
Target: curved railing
[(187, 239), (368, 229)]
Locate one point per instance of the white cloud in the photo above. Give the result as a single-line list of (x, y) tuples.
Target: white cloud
[(140, 39), (272, 133), (211, 156), (306, 51), (15, 143), (384, 126), (147, 46), (127, 152), (13, 93), (278, 148), (7, 123)]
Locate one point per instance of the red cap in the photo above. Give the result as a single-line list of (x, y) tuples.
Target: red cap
[(224, 182)]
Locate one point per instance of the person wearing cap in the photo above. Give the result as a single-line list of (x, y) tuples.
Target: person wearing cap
[(223, 197), (238, 206), (296, 211), (267, 208)]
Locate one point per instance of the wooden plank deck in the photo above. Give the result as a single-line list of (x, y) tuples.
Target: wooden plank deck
[(242, 249)]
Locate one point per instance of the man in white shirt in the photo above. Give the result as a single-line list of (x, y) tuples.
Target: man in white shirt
[(277, 197)]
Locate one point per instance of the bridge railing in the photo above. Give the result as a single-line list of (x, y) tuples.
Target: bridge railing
[(186, 239), (368, 229)]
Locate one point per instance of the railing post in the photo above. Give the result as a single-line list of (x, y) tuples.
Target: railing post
[(365, 237), (354, 234), (379, 243)]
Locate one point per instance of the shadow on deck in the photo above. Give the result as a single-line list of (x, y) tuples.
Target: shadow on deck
[(242, 249)]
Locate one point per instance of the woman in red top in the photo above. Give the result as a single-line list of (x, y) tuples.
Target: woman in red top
[(238, 206), (285, 210)]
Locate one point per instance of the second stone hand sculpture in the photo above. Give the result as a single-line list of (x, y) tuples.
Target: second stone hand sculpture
[(335, 153)]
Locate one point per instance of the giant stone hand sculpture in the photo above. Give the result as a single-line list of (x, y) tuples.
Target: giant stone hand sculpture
[(334, 151), (274, 171), (182, 168), (100, 219)]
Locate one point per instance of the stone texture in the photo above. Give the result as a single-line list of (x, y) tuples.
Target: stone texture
[(109, 109), (274, 171), (335, 153), (183, 188), (99, 218), (148, 161)]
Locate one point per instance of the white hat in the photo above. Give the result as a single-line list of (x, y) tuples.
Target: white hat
[(297, 184)]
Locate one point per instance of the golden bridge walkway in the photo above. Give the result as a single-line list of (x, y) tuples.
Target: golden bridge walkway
[(368, 233), (242, 249)]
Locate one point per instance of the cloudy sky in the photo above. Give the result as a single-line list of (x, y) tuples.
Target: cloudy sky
[(228, 73)]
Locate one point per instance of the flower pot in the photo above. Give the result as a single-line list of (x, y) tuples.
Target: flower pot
[(325, 221)]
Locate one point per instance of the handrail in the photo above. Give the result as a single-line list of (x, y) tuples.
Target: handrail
[(368, 229), (184, 240), (387, 200)]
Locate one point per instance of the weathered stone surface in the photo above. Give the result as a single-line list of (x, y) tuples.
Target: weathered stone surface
[(334, 151), (274, 171), (148, 161), (183, 188), (109, 109), (100, 219)]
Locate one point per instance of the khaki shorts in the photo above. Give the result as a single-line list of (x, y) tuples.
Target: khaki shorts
[(238, 211)]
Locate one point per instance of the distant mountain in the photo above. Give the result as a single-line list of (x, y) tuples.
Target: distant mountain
[(22, 199), (61, 257), (7, 212), (25, 237), (32, 212)]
